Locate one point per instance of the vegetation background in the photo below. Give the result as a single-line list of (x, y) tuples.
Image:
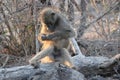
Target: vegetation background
[(97, 23)]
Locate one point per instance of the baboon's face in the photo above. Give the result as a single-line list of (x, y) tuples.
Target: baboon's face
[(50, 19)]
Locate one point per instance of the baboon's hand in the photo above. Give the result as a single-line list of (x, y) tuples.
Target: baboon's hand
[(43, 37), (53, 36), (46, 37), (34, 64)]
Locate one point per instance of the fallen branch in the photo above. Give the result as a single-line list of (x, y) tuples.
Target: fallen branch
[(45, 72)]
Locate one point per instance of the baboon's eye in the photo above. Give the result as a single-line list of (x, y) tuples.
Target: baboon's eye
[(53, 14)]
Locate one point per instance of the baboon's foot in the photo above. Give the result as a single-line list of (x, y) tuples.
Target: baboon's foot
[(35, 64)]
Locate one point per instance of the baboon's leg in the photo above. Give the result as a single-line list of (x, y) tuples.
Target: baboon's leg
[(41, 55), (66, 58), (48, 59)]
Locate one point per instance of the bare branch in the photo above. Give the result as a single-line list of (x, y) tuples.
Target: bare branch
[(76, 5), (105, 13), (75, 47)]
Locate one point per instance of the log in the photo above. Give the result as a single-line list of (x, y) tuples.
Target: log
[(87, 66), (46, 72), (93, 65)]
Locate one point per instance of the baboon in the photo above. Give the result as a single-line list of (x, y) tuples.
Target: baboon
[(54, 35)]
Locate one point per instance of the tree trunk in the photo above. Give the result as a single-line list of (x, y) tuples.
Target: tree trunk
[(35, 15), (70, 11), (82, 27)]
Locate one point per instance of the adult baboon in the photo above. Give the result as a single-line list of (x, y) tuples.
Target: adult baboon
[(54, 35)]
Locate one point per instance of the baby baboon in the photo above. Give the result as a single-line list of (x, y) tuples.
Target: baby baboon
[(55, 33)]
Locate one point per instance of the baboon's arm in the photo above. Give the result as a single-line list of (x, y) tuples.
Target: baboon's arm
[(59, 34)]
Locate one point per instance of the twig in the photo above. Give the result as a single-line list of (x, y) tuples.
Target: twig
[(12, 56), (7, 58)]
